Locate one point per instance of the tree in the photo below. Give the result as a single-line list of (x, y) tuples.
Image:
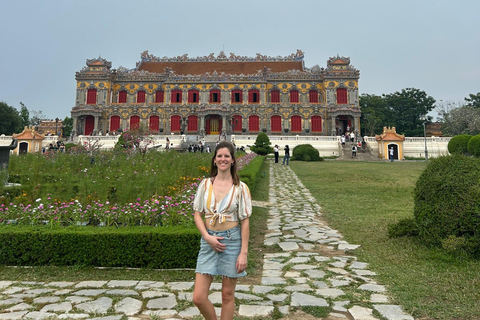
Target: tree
[(67, 126), (375, 114), (473, 100), (407, 109), (459, 118), (10, 120), (24, 115), (262, 145), (37, 117)]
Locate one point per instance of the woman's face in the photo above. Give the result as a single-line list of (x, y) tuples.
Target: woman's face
[(223, 159)]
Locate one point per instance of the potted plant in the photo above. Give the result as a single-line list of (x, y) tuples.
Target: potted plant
[(307, 130), (161, 129), (244, 129), (285, 129), (264, 129)]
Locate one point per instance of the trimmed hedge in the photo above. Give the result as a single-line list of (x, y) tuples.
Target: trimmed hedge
[(474, 146), (447, 204), (252, 172), (306, 152), (140, 247), (459, 144)]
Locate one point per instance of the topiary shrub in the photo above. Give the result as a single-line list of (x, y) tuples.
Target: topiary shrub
[(474, 146), (459, 144), (447, 203), (262, 145), (306, 152)]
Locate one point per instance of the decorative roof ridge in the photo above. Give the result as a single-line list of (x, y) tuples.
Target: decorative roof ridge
[(389, 130), (147, 57)]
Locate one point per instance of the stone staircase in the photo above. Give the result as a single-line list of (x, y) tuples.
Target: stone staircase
[(346, 154)]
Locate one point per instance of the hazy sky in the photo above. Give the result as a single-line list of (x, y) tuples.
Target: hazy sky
[(430, 45)]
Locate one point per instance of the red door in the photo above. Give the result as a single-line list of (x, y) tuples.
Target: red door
[(89, 125)]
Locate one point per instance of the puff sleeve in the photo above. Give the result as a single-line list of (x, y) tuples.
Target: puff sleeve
[(244, 202), (199, 200)]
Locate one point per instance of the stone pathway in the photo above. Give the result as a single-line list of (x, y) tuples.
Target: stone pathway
[(313, 267)]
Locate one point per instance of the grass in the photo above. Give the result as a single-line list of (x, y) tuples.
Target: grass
[(361, 199)]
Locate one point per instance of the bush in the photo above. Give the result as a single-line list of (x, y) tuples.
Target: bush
[(403, 228), (447, 203), (262, 145), (459, 144), (137, 247), (306, 152), (474, 146), (251, 173)]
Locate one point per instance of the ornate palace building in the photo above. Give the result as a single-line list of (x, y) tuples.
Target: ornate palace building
[(214, 95)]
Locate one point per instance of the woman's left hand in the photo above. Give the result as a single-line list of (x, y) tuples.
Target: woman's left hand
[(241, 262)]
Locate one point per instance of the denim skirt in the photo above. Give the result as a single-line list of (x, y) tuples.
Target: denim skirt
[(221, 263)]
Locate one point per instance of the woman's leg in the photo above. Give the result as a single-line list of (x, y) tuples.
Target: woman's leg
[(200, 296), (228, 298)]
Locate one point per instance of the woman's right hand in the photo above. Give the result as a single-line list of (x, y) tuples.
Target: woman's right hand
[(216, 245)]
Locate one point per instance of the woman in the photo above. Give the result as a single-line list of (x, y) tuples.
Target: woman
[(224, 201), (275, 150)]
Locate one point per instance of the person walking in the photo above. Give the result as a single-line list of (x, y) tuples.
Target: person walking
[(354, 151), (222, 206), (275, 151), (391, 154), (287, 155)]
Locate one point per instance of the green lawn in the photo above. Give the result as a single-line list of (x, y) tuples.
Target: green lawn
[(360, 199)]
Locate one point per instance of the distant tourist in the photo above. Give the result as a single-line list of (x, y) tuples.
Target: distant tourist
[(287, 155), (275, 151), (342, 139), (354, 151), (391, 154), (224, 226)]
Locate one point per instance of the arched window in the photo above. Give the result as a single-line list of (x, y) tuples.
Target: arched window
[(154, 123), (313, 95), (114, 123), (176, 96), (276, 124), (175, 123), (141, 96), (237, 123), (253, 124), (293, 96), (159, 96), (215, 96), (92, 96), (192, 123), (316, 123), (193, 96), (296, 123), (237, 96), (134, 123), (342, 96), (122, 96), (275, 96), (253, 96)]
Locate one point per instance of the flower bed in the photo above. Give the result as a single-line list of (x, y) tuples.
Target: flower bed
[(172, 208)]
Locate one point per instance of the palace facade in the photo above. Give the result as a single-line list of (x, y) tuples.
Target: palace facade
[(214, 95)]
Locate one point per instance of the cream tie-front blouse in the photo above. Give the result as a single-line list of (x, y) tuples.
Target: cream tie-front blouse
[(236, 205)]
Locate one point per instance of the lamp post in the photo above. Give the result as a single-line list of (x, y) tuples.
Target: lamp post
[(56, 126), (424, 118)]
